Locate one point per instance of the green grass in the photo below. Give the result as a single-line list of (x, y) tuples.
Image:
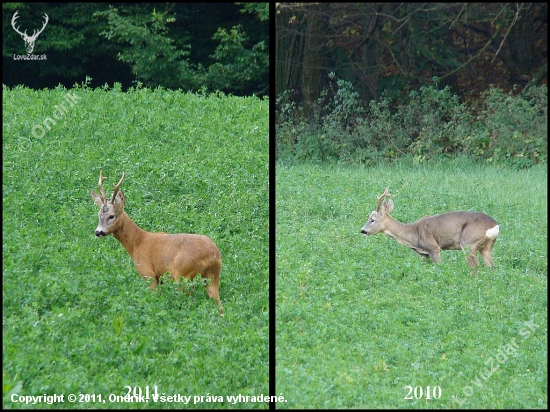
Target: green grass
[(77, 317), (359, 319)]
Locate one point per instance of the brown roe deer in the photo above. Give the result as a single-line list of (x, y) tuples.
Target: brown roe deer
[(154, 254), (431, 234)]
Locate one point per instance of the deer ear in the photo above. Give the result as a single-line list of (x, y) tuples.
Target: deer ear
[(97, 199), (387, 206), (119, 199)]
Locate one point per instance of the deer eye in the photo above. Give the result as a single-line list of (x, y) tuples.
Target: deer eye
[(111, 217)]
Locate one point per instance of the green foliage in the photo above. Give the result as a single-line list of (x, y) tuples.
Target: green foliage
[(77, 317), (338, 119), (360, 318), (156, 60), (436, 122), (10, 386), (333, 132), (159, 44), (261, 9), (236, 67), (151, 53), (432, 124), (288, 120), (513, 128)]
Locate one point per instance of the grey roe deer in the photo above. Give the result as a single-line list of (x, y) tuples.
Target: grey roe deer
[(154, 254), (431, 234)]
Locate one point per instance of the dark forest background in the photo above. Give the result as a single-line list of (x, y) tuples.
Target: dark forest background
[(190, 46), (398, 47), (363, 81)]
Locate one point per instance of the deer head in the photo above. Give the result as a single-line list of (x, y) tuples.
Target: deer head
[(376, 222), (109, 211), (29, 40)]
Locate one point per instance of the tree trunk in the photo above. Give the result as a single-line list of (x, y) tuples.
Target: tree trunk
[(313, 56), (370, 55)]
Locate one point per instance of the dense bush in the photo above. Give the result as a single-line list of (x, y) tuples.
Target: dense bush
[(504, 127), (512, 128)]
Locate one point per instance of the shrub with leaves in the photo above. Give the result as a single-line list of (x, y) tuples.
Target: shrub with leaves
[(513, 128), (433, 123)]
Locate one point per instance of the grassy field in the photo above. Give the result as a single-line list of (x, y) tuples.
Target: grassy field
[(364, 322), (77, 317)]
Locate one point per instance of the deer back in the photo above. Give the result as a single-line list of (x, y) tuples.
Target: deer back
[(455, 229)]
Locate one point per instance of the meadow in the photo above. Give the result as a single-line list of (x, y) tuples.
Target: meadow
[(364, 322), (77, 317)]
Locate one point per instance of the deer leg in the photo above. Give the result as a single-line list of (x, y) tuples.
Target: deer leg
[(213, 288), (191, 275), (436, 255), (422, 255), (486, 253), (189, 290), (472, 260), (213, 292), (148, 273)]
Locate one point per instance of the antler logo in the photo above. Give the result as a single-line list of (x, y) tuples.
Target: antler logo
[(29, 40)]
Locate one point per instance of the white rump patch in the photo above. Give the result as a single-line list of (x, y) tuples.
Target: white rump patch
[(492, 233)]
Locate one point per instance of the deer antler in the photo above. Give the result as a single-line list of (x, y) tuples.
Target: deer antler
[(116, 188), (100, 186), (35, 32), (46, 19), (15, 16), (382, 196)]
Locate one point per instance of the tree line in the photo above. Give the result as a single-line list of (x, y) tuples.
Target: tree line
[(188, 46), (394, 48)]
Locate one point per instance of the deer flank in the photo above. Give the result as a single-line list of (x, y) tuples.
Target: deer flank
[(154, 254), (431, 234)]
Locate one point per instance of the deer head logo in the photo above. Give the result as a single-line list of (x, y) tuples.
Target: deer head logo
[(29, 40)]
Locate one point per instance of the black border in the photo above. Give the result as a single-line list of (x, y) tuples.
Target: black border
[(272, 208)]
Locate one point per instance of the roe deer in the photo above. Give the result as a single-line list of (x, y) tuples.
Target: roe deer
[(154, 254), (431, 234)]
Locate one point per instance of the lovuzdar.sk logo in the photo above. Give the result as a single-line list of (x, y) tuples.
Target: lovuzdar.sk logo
[(29, 40)]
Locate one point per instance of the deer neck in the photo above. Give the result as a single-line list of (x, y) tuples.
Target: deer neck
[(403, 233), (129, 234)]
